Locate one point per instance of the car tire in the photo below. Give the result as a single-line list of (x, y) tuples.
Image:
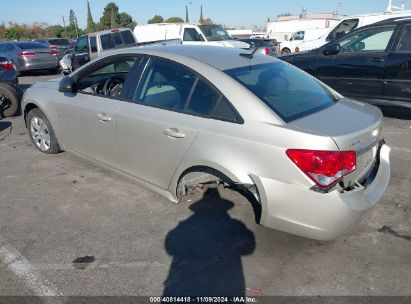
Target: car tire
[(11, 96), (41, 133), (285, 51)]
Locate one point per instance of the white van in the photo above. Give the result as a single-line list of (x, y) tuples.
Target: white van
[(349, 24), (187, 33), (288, 46)]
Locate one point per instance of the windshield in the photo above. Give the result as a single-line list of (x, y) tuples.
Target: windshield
[(215, 32), (288, 91), (29, 45)]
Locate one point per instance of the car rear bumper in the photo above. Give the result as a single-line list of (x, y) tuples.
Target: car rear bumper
[(30, 66), (321, 216)]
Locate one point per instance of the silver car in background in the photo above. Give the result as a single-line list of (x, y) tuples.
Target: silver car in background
[(29, 56), (59, 45), (170, 117)]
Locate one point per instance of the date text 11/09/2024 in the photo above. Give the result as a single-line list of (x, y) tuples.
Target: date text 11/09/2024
[(203, 300)]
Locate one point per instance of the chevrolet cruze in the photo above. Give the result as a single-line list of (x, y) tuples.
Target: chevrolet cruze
[(170, 117)]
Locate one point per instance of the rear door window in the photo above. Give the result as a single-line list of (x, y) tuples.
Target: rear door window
[(93, 44), (191, 34), (289, 92), (404, 46)]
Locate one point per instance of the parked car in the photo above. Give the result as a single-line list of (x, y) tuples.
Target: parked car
[(9, 94), (371, 64), (90, 46), (349, 24), (187, 33), (290, 46), (174, 116), (29, 56), (60, 45), (265, 47)]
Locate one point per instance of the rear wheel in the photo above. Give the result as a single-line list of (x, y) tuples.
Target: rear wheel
[(41, 133), (285, 51), (9, 100)]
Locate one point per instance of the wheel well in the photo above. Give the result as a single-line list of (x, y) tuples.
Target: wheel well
[(202, 175), (286, 48), (28, 108)]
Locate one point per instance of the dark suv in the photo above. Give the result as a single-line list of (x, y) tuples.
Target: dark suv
[(372, 63)]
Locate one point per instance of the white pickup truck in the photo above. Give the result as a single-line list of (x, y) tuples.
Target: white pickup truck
[(187, 33)]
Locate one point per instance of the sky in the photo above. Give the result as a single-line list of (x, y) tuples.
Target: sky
[(232, 13)]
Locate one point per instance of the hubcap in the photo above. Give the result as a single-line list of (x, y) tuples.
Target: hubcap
[(40, 133), (4, 102)]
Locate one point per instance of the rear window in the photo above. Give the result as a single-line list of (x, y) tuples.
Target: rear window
[(268, 43), (29, 45), (63, 42), (117, 39), (289, 92)]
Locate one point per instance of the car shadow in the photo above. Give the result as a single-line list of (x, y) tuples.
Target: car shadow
[(206, 249), (396, 112)]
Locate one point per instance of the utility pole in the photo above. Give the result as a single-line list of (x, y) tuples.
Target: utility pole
[(65, 30)]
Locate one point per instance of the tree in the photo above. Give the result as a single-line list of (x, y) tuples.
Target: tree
[(110, 17), (91, 26), (187, 20), (14, 31), (2, 31), (156, 19), (268, 20), (175, 20), (201, 15), (55, 31), (125, 20)]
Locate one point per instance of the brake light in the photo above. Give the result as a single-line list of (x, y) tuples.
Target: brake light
[(267, 51), (325, 168), (26, 54), (115, 31), (8, 65), (53, 47), (54, 53)]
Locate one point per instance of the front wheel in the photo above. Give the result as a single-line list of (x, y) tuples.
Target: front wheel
[(41, 133), (285, 51)]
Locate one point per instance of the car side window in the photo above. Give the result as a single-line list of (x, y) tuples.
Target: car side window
[(164, 85), (191, 34), (404, 46), (203, 100), (107, 79), (367, 41), (82, 45)]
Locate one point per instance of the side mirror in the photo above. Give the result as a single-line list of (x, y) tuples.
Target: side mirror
[(332, 49), (67, 85)]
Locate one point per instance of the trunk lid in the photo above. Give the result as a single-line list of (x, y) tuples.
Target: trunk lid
[(353, 126)]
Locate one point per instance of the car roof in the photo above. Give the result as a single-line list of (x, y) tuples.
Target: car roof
[(392, 21), (222, 58)]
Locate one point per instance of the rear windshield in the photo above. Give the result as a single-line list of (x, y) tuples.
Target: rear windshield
[(59, 42), (117, 39), (29, 45), (268, 43), (288, 91)]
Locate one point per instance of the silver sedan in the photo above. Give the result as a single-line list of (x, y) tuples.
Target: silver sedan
[(174, 116)]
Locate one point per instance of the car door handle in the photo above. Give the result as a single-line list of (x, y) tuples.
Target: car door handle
[(377, 60), (173, 132), (103, 117)]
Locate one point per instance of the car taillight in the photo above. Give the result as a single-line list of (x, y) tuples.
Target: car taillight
[(53, 47), (54, 53), (8, 65), (26, 54), (115, 30), (267, 51), (325, 168)]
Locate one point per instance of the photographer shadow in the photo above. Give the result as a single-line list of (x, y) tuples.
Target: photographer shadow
[(207, 249)]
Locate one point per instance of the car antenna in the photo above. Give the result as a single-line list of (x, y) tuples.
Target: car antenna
[(249, 56)]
